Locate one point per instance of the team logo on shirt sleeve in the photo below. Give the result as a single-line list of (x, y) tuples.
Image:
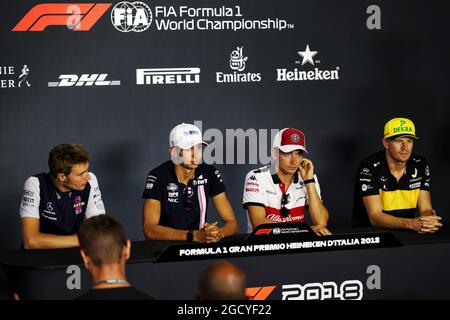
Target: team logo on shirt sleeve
[(28, 193), (98, 200), (217, 173), (150, 182), (252, 185), (27, 199), (27, 202), (100, 205)]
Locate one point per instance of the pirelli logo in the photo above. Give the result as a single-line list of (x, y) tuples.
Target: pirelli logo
[(259, 293), (75, 16), (168, 76)]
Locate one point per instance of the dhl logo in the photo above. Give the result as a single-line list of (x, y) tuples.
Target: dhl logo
[(75, 16)]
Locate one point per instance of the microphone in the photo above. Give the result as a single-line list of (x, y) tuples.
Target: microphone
[(71, 186)]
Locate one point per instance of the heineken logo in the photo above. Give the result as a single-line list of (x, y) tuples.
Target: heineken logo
[(295, 137)]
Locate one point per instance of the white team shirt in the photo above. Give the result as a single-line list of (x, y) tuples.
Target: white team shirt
[(266, 190)]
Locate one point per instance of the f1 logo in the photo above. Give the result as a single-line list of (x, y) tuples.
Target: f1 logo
[(259, 293), (76, 16), (263, 231)]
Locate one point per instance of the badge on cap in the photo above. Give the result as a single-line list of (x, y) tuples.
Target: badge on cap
[(295, 137)]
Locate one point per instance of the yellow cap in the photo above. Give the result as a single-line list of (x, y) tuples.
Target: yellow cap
[(399, 127)]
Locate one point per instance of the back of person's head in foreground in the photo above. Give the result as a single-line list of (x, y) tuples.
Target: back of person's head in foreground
[(222, 281), (103, 242)]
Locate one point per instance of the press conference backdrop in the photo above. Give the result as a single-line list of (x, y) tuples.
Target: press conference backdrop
[(96, 73)]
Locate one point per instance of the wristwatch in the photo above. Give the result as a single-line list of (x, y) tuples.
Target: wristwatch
[(190, 236)]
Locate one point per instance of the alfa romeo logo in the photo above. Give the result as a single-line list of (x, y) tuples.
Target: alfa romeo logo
[(295, 137)]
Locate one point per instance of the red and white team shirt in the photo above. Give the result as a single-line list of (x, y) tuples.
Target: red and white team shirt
[(266, 190)]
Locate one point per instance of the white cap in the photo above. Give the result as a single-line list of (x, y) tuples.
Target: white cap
[(185, 136)]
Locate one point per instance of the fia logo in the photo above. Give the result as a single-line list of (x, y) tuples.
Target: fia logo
[(131, 16)]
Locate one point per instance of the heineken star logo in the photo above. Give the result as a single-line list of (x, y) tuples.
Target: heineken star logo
[(307, 55)]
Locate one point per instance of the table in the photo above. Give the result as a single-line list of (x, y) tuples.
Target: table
[(418, 269)]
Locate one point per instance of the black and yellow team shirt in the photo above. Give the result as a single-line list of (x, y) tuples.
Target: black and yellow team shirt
[(398, 198)]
